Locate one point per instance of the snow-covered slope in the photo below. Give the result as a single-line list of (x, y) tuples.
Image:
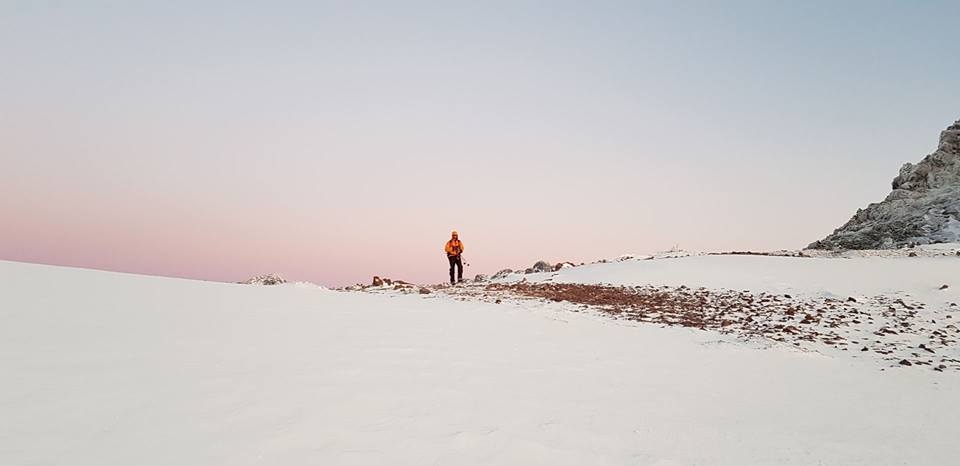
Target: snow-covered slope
[(892, 310), (111, 369), (826, 277)]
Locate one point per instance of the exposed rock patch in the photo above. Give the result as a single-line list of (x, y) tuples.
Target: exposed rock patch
[(269, 279)]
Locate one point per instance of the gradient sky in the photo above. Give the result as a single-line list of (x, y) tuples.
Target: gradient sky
[(331, 141)]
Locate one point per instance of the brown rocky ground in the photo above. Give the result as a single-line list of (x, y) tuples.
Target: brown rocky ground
[(894, 329)]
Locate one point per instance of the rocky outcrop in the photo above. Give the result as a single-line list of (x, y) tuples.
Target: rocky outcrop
[(923, 208), (541, 266), (269, 279)]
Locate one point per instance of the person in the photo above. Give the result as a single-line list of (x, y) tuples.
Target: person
[(454, 249)]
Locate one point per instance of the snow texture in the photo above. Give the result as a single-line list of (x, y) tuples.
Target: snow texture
[(103, 368)]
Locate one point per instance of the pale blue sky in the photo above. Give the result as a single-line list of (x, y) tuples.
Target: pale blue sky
[(180, 137)]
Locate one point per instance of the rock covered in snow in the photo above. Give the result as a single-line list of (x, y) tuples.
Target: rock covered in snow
[(563, 265), (541, 266), (923, 208), (501, 274), (480, 278), (269, 279)]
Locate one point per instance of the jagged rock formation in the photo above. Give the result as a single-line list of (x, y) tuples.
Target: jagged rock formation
[(923, 208)]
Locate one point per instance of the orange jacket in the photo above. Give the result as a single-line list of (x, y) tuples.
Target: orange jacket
[(454, 247)]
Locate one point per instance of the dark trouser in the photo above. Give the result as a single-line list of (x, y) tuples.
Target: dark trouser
[(456, 262)]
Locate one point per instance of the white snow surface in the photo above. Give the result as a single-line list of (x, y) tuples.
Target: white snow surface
[(842, 277), (103, 368)]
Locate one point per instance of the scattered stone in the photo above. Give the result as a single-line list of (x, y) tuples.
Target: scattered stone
[(864, 349), (377, 281), (912, 254), (904, 362), (851, 299), (424, 291), (945, 286)]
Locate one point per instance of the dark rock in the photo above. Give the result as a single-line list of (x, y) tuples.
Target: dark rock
[(904, 362), (424, 291), (562, 265), (542, 266), (944, 287), (377, 281), (851, 299)]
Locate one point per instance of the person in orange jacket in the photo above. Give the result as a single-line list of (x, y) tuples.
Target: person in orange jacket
[(453, 249)]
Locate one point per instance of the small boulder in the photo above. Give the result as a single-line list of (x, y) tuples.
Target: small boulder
[(904, 362), (502, 274), (542, 266), (424, 291), (480, 278), (945, 286), (377, 281), (563, 265)]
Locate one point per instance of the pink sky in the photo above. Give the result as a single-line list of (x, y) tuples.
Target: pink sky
[(331, 144)]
